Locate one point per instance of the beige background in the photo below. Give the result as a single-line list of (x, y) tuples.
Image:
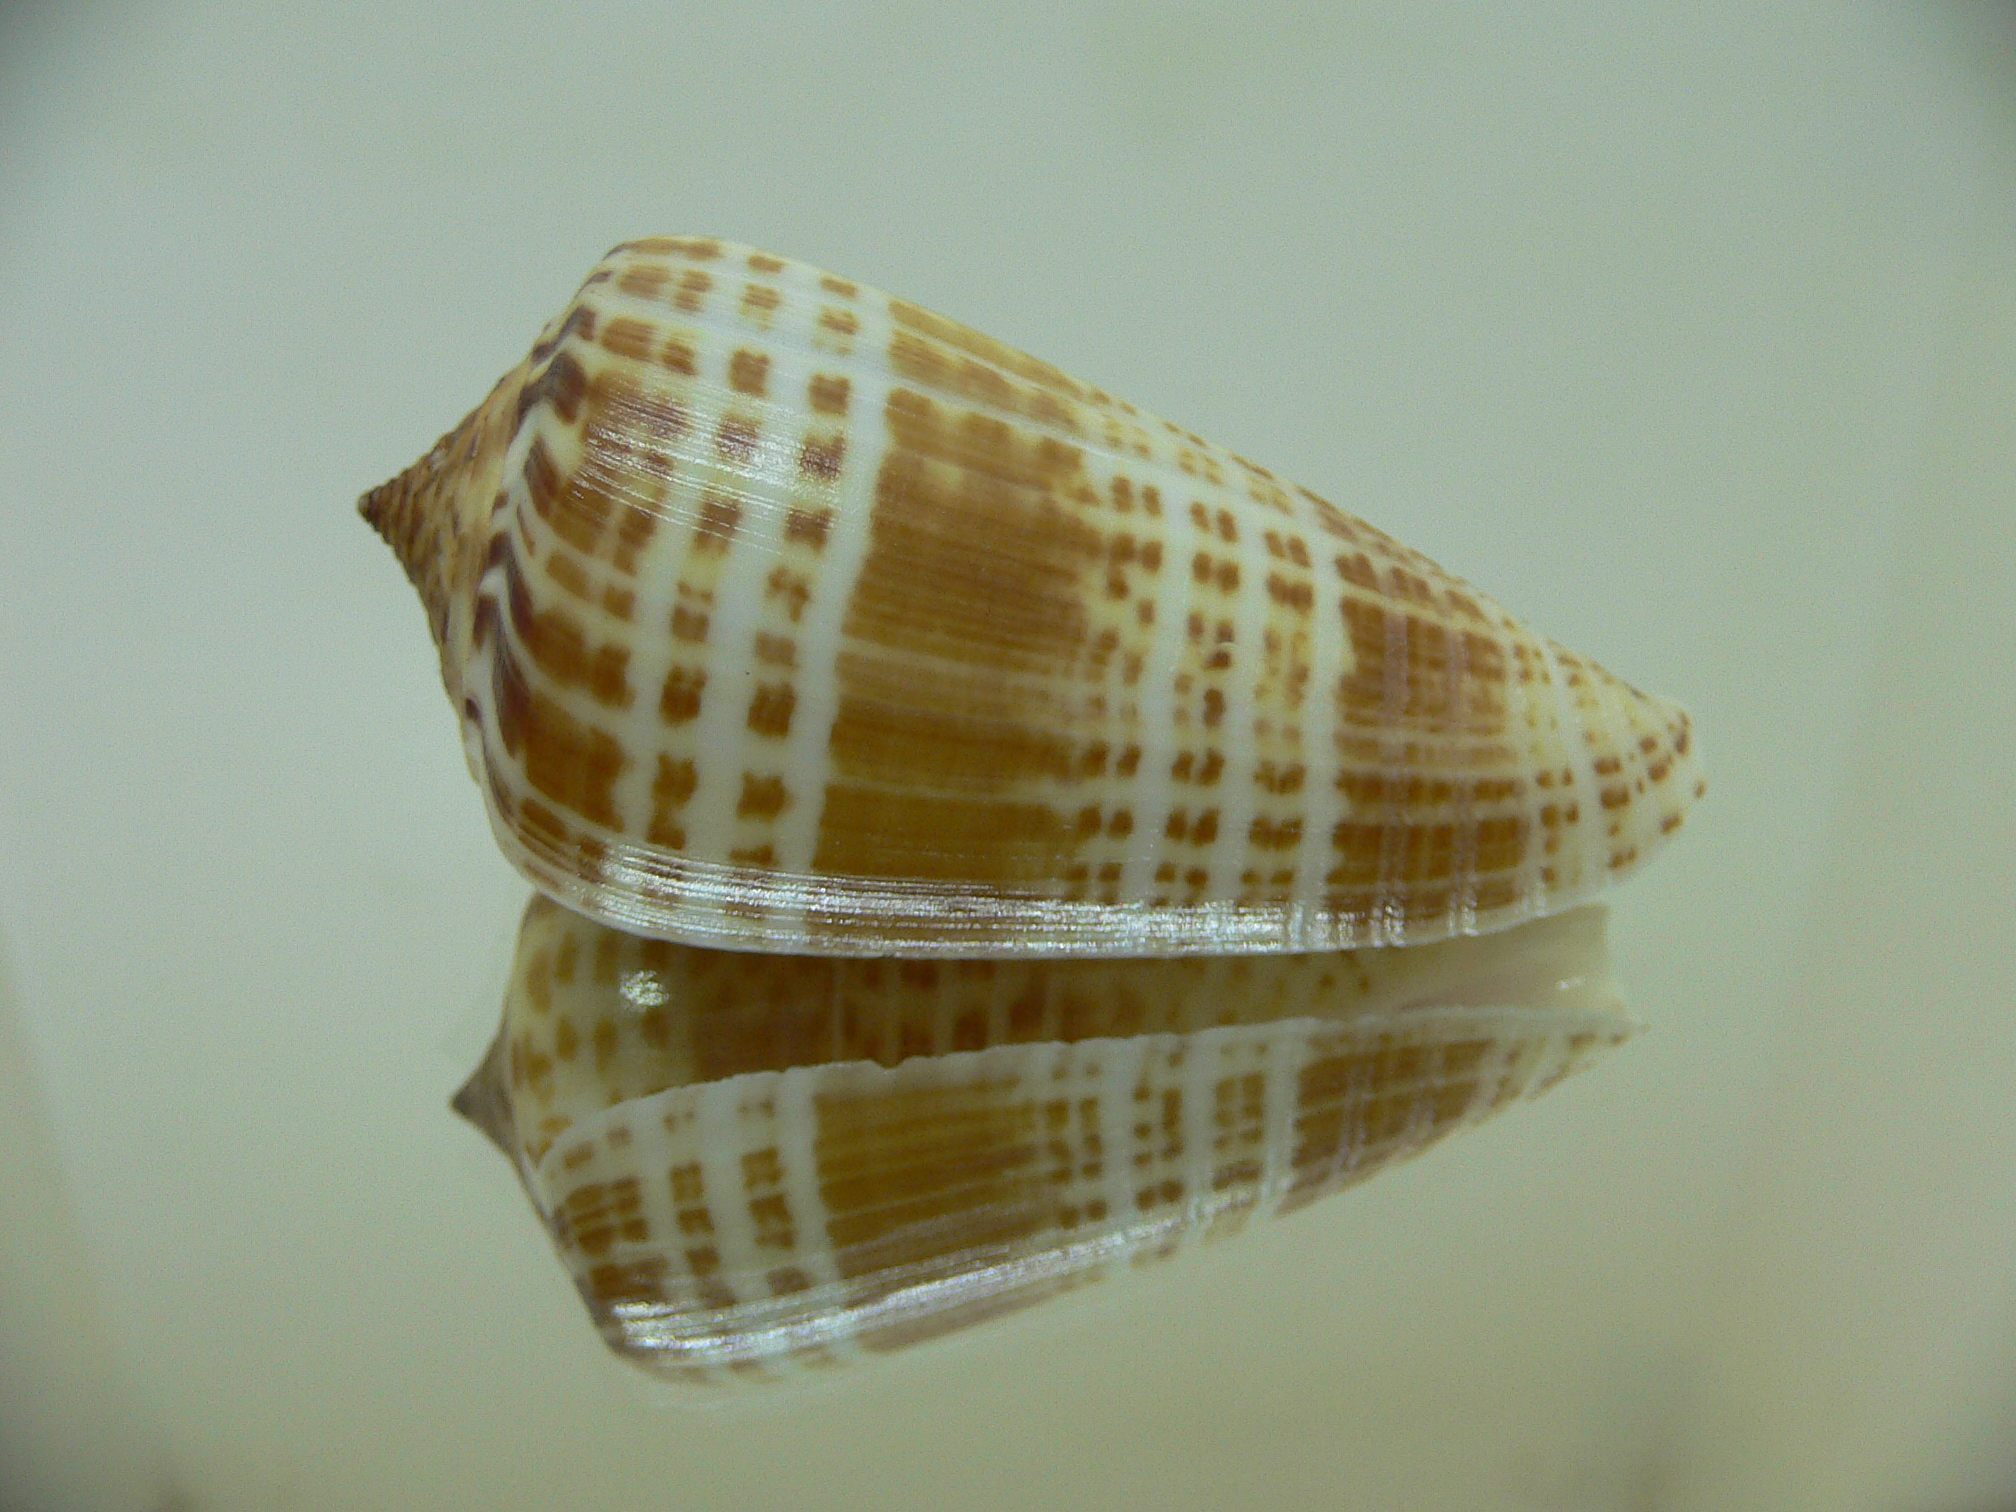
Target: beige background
[(1691, 335)]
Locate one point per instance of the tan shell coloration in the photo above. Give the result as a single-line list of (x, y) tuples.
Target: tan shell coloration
[(785, 615), (1009, 739), (757, 1165)]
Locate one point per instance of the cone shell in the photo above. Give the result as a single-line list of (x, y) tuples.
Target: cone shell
[(782, 614), (753, 1165)]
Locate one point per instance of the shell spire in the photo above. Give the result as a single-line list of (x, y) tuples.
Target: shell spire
[(784, 614), (434, 516)]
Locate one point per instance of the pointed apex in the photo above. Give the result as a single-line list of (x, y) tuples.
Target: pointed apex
[(434, 514), (485, 1099)]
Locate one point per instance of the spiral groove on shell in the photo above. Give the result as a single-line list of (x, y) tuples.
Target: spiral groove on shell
[(783, 614)]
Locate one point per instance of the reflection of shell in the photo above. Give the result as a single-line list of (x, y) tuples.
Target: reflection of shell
[(786, 615), (754, 1164)]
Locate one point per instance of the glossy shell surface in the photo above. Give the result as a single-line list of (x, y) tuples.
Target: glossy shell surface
[(753, 1166), (785, 615)]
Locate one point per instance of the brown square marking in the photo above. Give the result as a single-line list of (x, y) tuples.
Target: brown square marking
[(770, 710), (680, 701), (688, 1185), (677, 354), (644, 280), (628, 1281), (719, 515), (748, 372), (628, 337), (693, 287), (821, 456), (808, 527), (689, 625), (735, 439), (828, 393), (794, 588), (762, 797), (675, 781)]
